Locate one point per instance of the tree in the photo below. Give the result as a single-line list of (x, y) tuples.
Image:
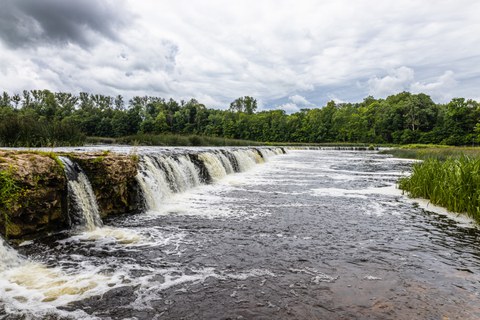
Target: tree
[(119, 104), (245, 104)]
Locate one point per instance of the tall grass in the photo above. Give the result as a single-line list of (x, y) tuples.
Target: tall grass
[(453, 183), (183, 140), (440, 152)]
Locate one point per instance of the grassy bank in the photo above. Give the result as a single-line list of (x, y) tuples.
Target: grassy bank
[(183, 140), (198, 140), (426, 151), (448, 176), (453, 183)]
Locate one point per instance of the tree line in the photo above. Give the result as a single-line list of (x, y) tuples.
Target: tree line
[(43, 118)]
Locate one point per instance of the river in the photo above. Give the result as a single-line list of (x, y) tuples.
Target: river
[(311, 234)]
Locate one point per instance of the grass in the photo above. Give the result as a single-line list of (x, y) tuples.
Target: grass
[(440, 152), (448, 176), (453, 183), (183, 140), (200, 140)]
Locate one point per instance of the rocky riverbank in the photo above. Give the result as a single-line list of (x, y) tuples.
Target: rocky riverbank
[(33, 189)]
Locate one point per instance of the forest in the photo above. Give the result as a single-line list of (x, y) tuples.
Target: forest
[(40, 118)]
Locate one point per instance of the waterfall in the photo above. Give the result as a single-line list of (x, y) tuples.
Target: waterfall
[(162, 175), (213, 164), (9, 257), (225, 162), (245, 159), (83, 209), (191, 173)]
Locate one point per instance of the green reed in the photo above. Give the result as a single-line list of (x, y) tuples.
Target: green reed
[(453, 183), (183, 140), (425, 151)]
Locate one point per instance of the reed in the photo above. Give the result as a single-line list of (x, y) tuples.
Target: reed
[(453, 183), (183, 140), (441, 152)]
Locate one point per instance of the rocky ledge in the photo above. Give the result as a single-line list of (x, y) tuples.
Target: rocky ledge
[(33, 189)]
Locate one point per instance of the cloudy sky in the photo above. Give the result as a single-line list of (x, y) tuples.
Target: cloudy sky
[(287, 54)]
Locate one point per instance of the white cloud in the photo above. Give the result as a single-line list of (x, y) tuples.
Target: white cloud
[(397, 80), (403, 79), (336, 99), (299, 100), (289, 107), (296, 102), (440, 89)]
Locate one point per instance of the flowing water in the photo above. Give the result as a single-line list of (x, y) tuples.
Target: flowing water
[(312, 234), (83, 209)]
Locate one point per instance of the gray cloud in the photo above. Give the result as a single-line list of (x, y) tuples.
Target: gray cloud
[(25, 23), (283, 52)]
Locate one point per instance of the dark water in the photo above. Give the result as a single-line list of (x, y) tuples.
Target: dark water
[(308, 235)]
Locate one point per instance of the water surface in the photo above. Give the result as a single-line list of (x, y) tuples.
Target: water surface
[(313, 234)]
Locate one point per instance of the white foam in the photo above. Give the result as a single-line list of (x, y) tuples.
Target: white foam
[(33, 288), (107, 235), (9, 257), (318, 276), (151, 286), (461, 219), (390, 190)]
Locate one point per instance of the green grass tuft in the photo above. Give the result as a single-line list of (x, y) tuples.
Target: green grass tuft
[(453, 183)]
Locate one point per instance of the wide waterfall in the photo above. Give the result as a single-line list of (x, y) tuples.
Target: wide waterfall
[(83, 209), (162, 175)]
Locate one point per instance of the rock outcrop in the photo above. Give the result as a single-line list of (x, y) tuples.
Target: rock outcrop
[(33, 194), (113, 180), (33, 189)]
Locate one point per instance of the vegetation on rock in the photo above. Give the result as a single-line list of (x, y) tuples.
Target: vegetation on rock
[(32, 189), (10, 193)]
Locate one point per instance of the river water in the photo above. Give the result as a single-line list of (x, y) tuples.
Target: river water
[(312, 234)]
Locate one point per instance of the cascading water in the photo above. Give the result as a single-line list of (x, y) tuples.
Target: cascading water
[(245, 159), (213, 164), (84, 212), (161, 176), (225, 162), (190, 172), (8, 256)]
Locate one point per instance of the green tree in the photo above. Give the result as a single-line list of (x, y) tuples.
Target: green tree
[(245, 104)]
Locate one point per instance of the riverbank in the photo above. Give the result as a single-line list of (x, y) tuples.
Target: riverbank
[(176, 140), (453, 183), (34, 193), (447, 177), (425, 151)]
